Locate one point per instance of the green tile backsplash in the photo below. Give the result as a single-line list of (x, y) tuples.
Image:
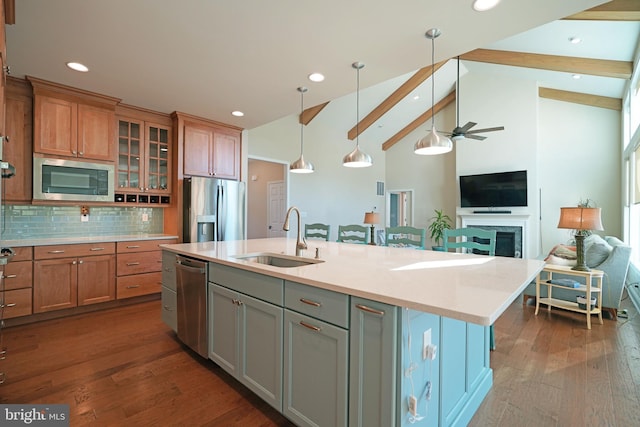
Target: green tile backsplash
[(28, 222)]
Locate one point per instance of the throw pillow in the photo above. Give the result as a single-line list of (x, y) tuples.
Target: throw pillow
[(596, 250), (562, 255)]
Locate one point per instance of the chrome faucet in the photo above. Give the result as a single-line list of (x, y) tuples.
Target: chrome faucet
[(301, 244)]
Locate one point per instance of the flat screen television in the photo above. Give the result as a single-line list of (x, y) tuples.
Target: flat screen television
[(489, 190)]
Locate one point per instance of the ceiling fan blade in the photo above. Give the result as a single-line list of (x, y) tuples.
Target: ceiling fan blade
[(465, 128), (487, 129), (478, 137)]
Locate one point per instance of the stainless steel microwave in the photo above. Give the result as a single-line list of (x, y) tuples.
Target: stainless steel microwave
[(70, 180)]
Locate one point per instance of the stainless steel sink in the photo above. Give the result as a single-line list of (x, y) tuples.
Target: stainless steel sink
[(278, 260)]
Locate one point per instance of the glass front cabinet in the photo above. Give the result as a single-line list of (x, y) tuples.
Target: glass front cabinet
[(144, 163)]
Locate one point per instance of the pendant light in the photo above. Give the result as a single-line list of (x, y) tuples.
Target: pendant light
[(357, 158), (300, 165), (433, 143)]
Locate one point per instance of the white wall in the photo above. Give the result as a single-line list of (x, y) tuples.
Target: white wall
[(570, 151), (332, 194), (579, 153)]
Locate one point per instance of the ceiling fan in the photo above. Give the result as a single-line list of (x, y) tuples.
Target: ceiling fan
[(465, 131)]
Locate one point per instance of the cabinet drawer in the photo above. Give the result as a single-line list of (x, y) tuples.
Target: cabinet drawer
[(23, 253), (169, 305), (169, 270), (17, 302), (18, 275), (257, 285), (140, 284), (332, 307), (82, 249), (143, 245), (139, 262)]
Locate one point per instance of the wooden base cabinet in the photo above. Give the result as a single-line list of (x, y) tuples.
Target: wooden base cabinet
[(17, 277), (139, 267), (61, 281)]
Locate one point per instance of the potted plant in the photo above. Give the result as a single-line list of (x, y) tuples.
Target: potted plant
[(439, 223)]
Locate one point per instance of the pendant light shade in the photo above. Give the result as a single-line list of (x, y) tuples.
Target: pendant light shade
[(301, 165), (357, 158), (433, 143)]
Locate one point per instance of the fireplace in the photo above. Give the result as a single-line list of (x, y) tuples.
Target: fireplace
[(508, 239), (511, 231)]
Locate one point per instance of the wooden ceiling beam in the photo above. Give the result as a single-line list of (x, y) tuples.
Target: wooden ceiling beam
[(307, 115), (616, 10), (419, 121), (566, 64), (581, 98), (398, 95), (9, 12)]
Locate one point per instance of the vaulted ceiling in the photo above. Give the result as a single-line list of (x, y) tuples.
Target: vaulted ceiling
[(209, 58)]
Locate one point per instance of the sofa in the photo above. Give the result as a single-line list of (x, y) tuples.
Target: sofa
[(608, 254)]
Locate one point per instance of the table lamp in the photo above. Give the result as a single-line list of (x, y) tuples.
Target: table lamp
[(580, 219), (372, 218)]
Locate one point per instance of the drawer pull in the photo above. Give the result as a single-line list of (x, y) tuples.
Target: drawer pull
[(308, 326), (237, 302), (133, 286), (96, 249), (129, 264), (133, 246), (11, 304), (11, 276), (309, 302), (56, 252), (370, 310)]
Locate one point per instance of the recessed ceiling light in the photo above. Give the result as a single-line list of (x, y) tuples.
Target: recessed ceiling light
[(416, 97), (237, 113), (576, 76), (575, 40), (78, 67), (484, 5), (316, 77)]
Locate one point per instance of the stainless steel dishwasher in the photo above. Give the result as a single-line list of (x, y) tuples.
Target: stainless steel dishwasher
[(191, 288)]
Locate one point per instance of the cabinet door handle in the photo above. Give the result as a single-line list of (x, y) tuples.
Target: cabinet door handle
[(73, 152), (309, 302), (96, 249), (132, 263), (370, 310), (308, 326), (133, 246), (166, 307), (80, 262), (81, 153), (56, 252), (74, 262), (133, 286), (10, 276)]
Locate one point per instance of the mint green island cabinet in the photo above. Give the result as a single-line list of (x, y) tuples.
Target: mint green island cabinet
[(333, 344)]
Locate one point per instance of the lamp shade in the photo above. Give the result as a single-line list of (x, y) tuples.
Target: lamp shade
[(371, 218), (433, 144), (357, 159), (579, 218), (301, 166)]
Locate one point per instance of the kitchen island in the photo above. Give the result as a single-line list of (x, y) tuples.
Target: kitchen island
[(367, 336)]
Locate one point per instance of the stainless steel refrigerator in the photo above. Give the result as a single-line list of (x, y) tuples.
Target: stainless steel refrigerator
[(214, 210)]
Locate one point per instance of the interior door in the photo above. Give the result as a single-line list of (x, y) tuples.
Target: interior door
[(277, 209)]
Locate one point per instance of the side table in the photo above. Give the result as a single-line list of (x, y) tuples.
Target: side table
[(591, 286)]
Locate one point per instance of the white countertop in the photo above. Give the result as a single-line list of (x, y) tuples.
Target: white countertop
[(472, 288), (83, 239)]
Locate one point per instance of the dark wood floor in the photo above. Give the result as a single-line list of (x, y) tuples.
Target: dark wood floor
[(124, 367)]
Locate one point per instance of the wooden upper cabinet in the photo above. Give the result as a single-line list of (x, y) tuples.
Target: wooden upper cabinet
[(19, 147), (226, 154), (209, 148), (198, 150), (94, 125), (70, 122)]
